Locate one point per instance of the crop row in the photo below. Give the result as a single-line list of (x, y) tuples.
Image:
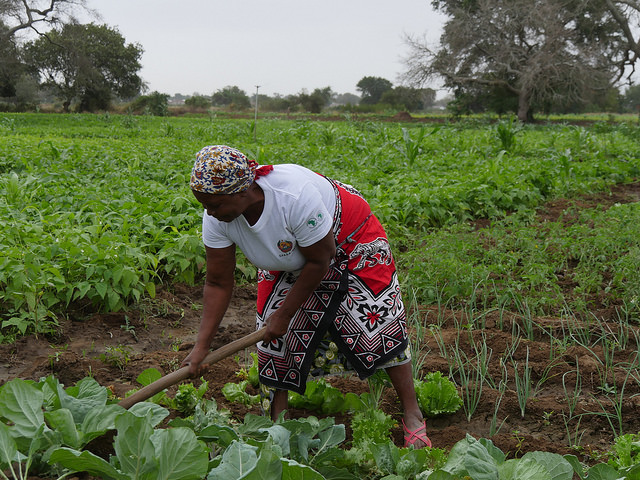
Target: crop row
[(55, 431), (96, 209)]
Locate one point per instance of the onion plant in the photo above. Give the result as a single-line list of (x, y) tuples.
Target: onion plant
[(471, 380), (523, 383), (494, 428), (572, 395)]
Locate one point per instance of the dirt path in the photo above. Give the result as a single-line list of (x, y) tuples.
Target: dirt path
[(115, 348)]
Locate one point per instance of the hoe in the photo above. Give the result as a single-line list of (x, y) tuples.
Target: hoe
[(183, 373)]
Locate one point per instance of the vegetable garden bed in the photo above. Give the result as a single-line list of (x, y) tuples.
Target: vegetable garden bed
[(537, 325)]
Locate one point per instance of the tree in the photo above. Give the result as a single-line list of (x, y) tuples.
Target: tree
[(277, 103), (625, 15), (26, 89), (90, 63), (198, 101), (19, 15), (408, 98), (347, 99), (372, 89), (631, 99), (155, 103), (231, 96), (539, 51), (11, 68), (317, 100)]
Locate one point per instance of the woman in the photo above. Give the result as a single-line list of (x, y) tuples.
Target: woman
[(325, 274)]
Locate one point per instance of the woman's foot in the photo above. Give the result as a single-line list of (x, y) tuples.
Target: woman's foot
[(416, 437)]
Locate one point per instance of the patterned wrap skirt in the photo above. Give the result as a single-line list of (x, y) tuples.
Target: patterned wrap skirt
[(354, 321)]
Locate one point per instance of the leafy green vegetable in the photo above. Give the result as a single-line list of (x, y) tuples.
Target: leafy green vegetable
[(482, 460), (82, 397), (371, 426), (186, 398), (437, 395), (142, 453), (625, 451), (241, 460), (36, 418), (252, 373), (21, 406), (236, 392), (320, 396)]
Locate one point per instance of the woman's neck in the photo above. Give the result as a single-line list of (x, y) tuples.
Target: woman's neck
[(256, 204)]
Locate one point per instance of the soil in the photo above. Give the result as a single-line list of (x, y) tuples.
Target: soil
[(115, 347)]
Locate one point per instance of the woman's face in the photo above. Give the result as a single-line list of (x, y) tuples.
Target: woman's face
[(222, 207)]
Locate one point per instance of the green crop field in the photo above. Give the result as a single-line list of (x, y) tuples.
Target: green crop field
[(97, 207), (95, 210)]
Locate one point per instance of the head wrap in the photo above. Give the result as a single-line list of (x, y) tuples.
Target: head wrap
[(219, 169)]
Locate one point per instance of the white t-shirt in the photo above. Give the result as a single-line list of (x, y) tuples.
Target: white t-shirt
[(298, 211)]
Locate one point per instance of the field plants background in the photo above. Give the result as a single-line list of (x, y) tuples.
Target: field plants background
[(97, 208), (517, 247)]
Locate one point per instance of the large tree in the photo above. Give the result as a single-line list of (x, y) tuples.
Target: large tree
[(27, 17), (89, 63), (231, 96), (372, 88), (540, 52), (408, 98), (10, 65), (316, 100)]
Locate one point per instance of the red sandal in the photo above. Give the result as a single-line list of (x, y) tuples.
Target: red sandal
[(410, 437)]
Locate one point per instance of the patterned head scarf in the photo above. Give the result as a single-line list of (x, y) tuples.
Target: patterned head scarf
[(222, 170)]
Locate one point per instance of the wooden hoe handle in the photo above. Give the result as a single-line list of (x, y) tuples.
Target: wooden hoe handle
[(183, 373)]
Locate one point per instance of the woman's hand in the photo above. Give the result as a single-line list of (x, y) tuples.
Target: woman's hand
[(194, 360), (276, 326)]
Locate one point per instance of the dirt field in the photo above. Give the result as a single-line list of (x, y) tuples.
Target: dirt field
[(115, 348)]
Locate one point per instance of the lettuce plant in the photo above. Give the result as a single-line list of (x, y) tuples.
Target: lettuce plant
[(236, 392), (437, 395), (185, 399), (371, 426), (625, 451)]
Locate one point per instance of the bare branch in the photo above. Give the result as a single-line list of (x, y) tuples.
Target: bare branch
[(632, 48), (25, 14)]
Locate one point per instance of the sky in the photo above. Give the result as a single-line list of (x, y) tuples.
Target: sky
[(279, 46)]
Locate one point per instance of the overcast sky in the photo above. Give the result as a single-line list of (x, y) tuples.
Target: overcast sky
[(283, 46)]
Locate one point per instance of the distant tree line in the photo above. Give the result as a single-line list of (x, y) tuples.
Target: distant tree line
[(90, 67), (520, 56), (376, 94)]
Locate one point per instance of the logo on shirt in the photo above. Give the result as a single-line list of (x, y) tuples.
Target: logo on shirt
[(316, 220), (285, 246)]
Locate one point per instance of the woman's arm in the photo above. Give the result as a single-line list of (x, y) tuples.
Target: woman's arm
[(218, 287), (318, 258)]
